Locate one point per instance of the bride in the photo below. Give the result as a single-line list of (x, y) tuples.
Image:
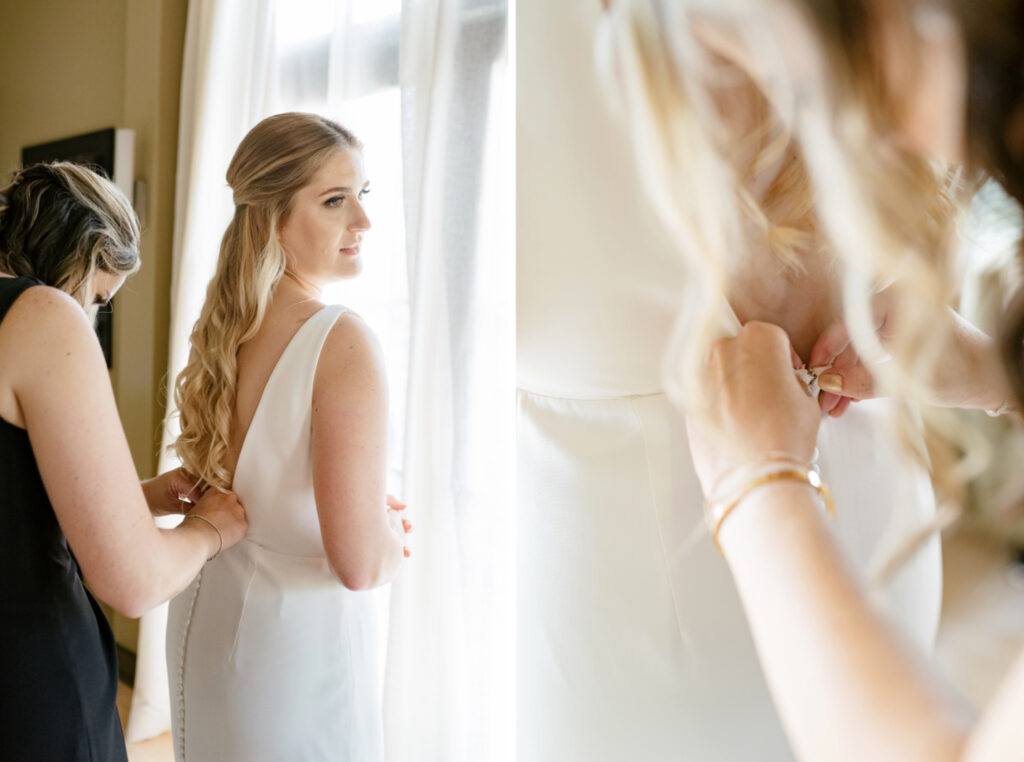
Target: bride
[(272, 648)]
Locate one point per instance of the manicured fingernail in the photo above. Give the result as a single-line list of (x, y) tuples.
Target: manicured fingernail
[(406, 525), (831, 382), (405, 552)]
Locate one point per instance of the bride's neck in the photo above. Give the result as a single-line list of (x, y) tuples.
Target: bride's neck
[(293, 289)]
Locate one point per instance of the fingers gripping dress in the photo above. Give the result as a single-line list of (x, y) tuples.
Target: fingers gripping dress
[(270, 658)]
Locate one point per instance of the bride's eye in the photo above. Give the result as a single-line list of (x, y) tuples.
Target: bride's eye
[(363, 193), (334, 201)]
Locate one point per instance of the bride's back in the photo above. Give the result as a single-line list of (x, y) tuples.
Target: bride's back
[(257, 359), (271, 454)]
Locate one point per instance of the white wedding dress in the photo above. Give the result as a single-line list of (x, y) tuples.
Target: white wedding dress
[(270, 658), (632, 644)]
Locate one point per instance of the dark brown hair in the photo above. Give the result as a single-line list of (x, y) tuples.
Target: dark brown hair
[(61, 222)]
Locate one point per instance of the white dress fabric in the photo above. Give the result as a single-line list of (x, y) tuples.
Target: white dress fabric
[(270, 657), (632, 644)]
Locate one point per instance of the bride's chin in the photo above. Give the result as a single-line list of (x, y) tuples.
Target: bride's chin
[(351, 268)]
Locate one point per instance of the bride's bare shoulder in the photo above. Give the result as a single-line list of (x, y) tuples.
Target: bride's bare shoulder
[(351, 357)]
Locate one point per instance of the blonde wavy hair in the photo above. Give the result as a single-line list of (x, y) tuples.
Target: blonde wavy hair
[(61, 223), (275, 159), (794, 162)]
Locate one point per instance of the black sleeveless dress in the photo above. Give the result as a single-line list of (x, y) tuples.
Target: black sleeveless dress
[(58, 664)]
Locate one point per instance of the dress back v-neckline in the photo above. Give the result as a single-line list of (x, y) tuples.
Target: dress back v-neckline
[(289, 349)]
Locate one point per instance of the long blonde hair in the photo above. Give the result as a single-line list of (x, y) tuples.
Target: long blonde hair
[(275, 159), (886, 216), (61, 223), (725, 171)]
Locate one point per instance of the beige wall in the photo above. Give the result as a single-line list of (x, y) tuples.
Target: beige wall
[(68, 67), (62, 71)]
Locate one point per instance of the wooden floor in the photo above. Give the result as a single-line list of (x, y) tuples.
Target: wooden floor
[(157, 749), (981, 632)]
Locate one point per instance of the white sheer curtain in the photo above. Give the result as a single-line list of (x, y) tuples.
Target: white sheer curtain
[(449, 692), (426, 86)]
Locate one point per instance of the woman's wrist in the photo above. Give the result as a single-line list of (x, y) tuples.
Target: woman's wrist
[(983, 386), (993, 392), (213, 540), (769, 517), (737, 487)]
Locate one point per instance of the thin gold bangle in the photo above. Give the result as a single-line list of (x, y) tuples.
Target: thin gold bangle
[(220, 537), (809, 477), (768, 459)]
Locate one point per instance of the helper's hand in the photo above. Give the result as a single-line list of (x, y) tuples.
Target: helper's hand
[(752, 404), (969, 376), (174, 491), (223, 510), (846, 378)]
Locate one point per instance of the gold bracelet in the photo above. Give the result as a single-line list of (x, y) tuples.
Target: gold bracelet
[(719, 512), (220, 537), (772, 458)]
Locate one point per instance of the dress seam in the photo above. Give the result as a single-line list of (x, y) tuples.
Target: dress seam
[(241, 615), (657, 518)]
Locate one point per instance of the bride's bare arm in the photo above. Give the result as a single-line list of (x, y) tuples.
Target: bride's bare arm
[(349, 441), (63, 391), (845, 683)]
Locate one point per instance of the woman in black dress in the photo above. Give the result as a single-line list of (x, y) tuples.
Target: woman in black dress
[(72, 506)]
